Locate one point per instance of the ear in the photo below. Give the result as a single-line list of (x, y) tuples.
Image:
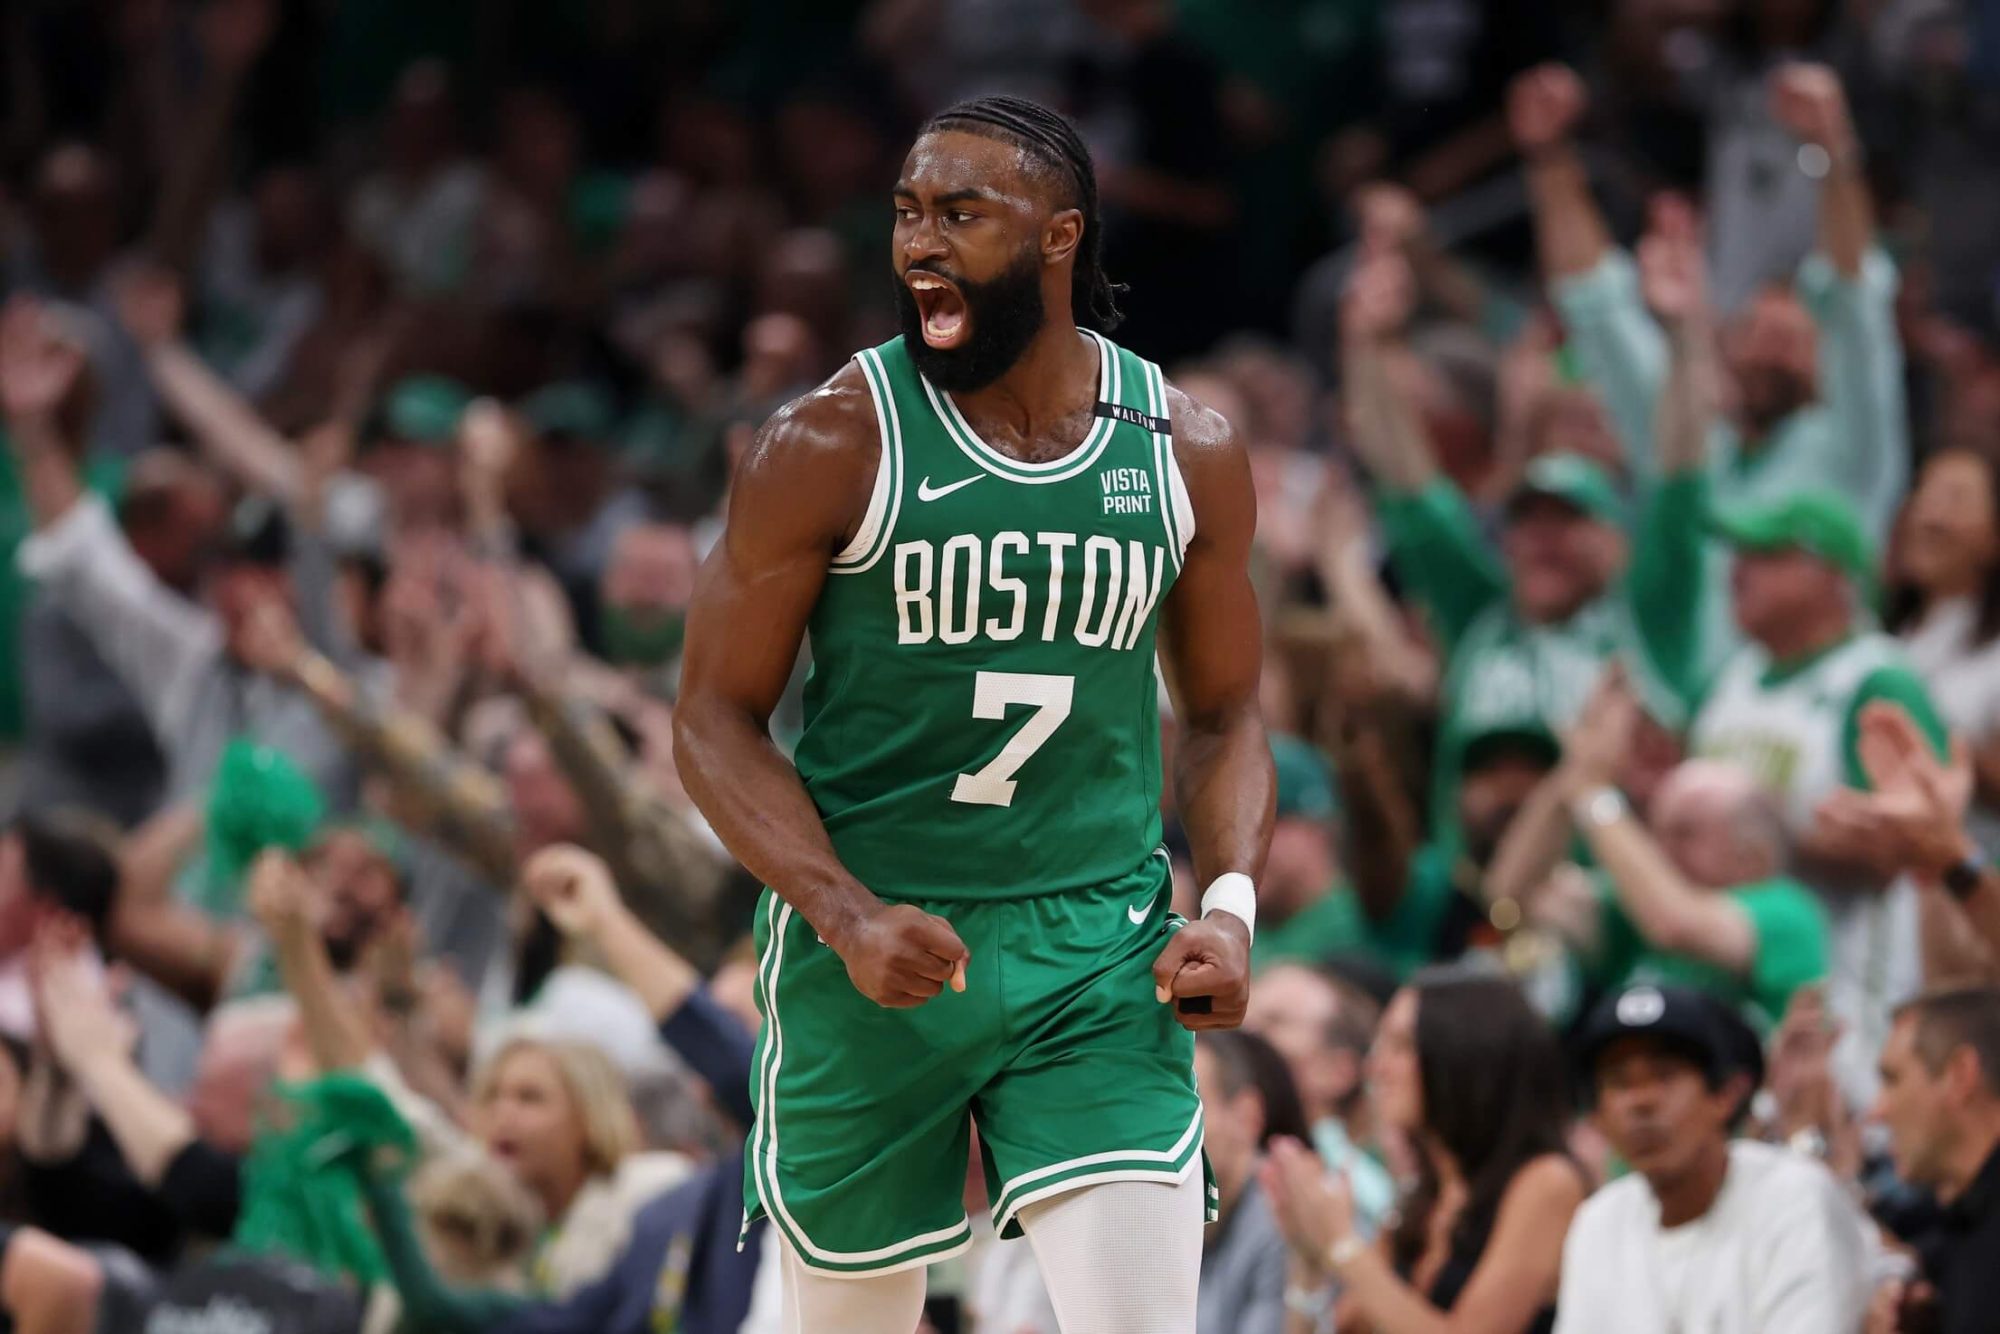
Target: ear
[(1734, 1093), (1250, 1104), (1962, 1076), (1062, 236)]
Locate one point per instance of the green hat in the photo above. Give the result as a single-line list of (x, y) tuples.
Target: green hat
[(425, 409), (383, 837), (1576, 481), (570, 407), (1816, 521), (1525, 738), (1305, 780)]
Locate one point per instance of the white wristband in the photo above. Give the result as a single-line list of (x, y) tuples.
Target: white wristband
[(1234, 894)]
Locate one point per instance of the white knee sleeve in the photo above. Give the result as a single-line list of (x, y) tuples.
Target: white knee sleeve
[(1123, 1257), (816, 1303)]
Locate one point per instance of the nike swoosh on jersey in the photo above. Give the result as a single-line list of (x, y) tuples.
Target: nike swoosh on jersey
[(927, 492), (1139, 913)]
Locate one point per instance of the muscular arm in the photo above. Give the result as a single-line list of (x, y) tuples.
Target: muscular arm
[(798, 494), (1210, 647)]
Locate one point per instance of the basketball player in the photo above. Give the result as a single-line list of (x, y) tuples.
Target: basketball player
[(987, 526)]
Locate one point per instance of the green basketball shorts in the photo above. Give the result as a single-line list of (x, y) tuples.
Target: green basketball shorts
[(1057, 1048)]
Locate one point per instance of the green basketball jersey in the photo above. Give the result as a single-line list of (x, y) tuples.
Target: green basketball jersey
[(982, 715)]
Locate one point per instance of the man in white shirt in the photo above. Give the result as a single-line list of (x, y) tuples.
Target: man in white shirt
[(1705, 1236)]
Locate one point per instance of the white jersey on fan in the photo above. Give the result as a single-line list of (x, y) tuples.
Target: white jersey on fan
[(1789, 730)]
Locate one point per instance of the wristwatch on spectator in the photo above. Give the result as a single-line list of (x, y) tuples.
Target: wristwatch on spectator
[(1599, 807), (1312, 1303), (1961, 879)]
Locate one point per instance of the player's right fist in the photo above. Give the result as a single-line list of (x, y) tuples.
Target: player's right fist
[(901, 956), (1543, 106)]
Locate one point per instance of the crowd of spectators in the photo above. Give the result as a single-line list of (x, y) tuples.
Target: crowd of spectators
[(1621, 386)]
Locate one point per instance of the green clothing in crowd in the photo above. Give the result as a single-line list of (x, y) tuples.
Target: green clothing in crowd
[(1791, 931), (1503, 673), (1854, 438), (1336, 924)]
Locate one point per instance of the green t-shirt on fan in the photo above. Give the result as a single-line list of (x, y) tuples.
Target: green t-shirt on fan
[(1791, 931), (1504, 674)]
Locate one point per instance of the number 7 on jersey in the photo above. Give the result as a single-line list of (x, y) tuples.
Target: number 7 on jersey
[(992, 693)]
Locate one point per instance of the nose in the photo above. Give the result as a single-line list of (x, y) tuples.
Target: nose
[(923, 241)]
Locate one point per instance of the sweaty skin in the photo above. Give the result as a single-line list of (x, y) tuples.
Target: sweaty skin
[(967, 206)]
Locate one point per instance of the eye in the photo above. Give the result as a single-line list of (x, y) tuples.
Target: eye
[(959, 216), (905, 213)]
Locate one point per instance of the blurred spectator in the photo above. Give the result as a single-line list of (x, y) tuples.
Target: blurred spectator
[(1474, 1078), (1940, 1100), (55, 864), (88, 739), (418, 214), (1323, 1027), (69, 258), (1523, 640), (182, 660), (1247, 1100), (1942, 596), (1813, 389), (1695, 895), (1706, 1232), (1787, 708), (1298, 893), (1164, 158)]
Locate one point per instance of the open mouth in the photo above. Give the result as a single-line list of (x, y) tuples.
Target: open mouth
[(945, 320)]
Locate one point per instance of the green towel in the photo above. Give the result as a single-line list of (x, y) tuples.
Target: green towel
[(301, 1192), (259, 799)]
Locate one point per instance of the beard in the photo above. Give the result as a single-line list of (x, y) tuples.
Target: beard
[(1767, 395), (1005, 314), (1482, 837)]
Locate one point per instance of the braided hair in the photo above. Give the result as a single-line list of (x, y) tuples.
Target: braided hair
[(1050, 138)]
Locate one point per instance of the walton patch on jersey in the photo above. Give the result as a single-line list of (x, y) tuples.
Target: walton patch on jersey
[(1098, 591)]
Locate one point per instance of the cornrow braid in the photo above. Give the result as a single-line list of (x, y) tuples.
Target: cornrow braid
[(1054, 142)]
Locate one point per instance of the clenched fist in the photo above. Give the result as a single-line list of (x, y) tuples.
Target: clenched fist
[(1544, 105), (1207, 960), (901, 956)]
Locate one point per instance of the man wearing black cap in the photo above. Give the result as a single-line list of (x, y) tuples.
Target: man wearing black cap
[(1705, 1234)]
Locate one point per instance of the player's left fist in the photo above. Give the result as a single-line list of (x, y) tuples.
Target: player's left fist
[(1206, 961)]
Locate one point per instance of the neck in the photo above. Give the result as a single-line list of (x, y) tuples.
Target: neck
[(1957, 584), (1810, 636), (1964, 1166), (1043, 386), (1692, 1193), (558, 1196)]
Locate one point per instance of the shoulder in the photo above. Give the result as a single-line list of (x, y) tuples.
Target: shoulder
[(829, 426), (1216, 468), (1551, 1181), (1544, 1193), (1781, 1186), (810, 468), (1612, 1206)]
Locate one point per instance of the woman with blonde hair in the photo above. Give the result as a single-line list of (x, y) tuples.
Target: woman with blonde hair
[(558, 1114)]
